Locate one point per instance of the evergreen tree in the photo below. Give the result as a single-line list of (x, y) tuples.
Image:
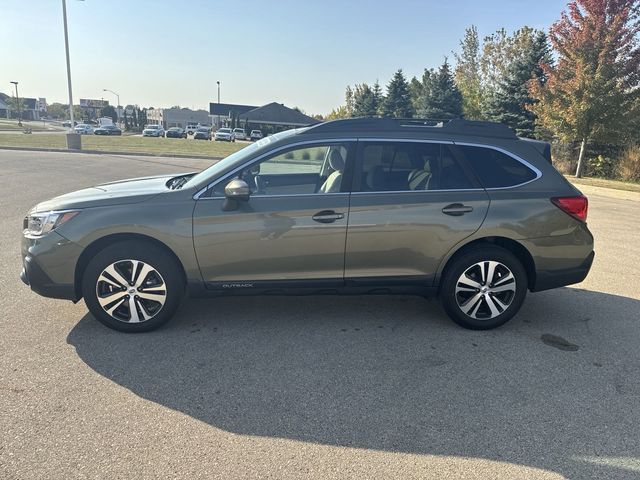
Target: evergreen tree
[(510, 103), (126, 121), (398, 100), (441, 98), (134, 118), (348, 99), (378, 97), (364, 101)]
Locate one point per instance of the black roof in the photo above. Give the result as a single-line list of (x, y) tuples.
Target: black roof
[(456, 126), (226, 108), (276, 113)]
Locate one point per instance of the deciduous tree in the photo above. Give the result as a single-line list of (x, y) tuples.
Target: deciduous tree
[(596, 81), (467, 74)]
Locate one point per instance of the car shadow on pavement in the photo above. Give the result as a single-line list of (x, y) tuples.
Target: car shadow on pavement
[(551, 389)]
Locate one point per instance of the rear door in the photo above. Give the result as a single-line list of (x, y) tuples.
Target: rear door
[(412, 202)]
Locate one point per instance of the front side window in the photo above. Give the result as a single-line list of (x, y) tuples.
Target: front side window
[(411, 166), (314, 169), (496, 169)]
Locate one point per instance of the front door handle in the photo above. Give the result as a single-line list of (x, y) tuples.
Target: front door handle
[(327, 216), (456, 209)]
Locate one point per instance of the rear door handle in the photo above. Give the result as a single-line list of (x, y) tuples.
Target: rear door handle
[(327, 216), (456, 209)]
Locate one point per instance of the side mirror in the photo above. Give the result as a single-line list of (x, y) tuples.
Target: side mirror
[(236, 191)]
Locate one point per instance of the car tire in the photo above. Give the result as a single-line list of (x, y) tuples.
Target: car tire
[(162, 286), (483, 288)]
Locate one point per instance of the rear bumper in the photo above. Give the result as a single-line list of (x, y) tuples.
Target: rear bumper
[(548, 279)]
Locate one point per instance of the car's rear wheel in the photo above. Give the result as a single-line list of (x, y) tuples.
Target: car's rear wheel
[(483, 288), (133, 286)]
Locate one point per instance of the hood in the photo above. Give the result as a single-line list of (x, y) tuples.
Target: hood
[(133, 190)]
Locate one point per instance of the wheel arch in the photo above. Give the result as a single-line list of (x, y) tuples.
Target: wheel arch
[(515, 247), (97, 245)]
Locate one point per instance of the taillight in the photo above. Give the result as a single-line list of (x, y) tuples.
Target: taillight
[(575, 206)]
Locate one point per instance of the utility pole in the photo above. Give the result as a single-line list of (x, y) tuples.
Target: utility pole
[(66, 47), (218, 82), (19, 104)]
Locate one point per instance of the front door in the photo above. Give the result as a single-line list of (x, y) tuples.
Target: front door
[(414, 202), (292, 230)]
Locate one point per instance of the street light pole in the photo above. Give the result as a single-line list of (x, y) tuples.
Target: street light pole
[(118, 97), (18, 104), (66, 47), (218, 82)]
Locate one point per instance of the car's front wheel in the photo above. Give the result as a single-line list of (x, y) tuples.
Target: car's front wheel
[(133, 286), (483, 288)]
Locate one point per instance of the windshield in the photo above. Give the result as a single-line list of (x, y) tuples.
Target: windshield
[(238, 157), (203, 129), (152, 127), (225, 130)]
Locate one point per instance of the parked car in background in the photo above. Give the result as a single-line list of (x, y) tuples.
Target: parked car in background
[(104, 121), (224, 135), (67, 123), (202, 133), (153, 131), (107, 130), (175, 132), (83, 129), (255, 135), (191, 128), (239, 134)]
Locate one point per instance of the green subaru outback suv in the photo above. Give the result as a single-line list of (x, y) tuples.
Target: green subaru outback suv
[(463, 210)]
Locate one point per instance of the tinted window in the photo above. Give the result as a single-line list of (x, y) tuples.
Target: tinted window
[(496, 169), (410, 166)]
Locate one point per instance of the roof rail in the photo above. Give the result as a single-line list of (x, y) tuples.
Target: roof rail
[(457, 126)]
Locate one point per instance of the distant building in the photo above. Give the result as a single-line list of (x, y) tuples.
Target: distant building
[(4, 108), (30, 108), (270, 118), (177, 117)]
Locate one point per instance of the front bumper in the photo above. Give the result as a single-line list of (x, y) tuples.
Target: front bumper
[(33, 276), (48, 265)]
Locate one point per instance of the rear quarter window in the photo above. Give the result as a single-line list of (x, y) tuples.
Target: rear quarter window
[(496, 169)]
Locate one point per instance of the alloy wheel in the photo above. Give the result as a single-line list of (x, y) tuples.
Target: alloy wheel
[(131, 291), (485, 290)]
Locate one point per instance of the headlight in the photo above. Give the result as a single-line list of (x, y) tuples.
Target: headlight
[(40, 223)]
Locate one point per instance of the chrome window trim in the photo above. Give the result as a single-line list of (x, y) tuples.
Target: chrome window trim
[(421, 191), (200, 192), (320, 194)]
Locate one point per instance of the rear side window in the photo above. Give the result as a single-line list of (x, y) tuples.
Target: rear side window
[(496, 169), (410, 166)]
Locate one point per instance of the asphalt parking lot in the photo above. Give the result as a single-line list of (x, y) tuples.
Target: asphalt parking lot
[(317, 387)]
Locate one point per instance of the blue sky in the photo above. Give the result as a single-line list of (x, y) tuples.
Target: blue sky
[(301, 53)]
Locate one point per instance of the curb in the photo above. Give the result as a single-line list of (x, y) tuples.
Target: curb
[(102, 152)]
